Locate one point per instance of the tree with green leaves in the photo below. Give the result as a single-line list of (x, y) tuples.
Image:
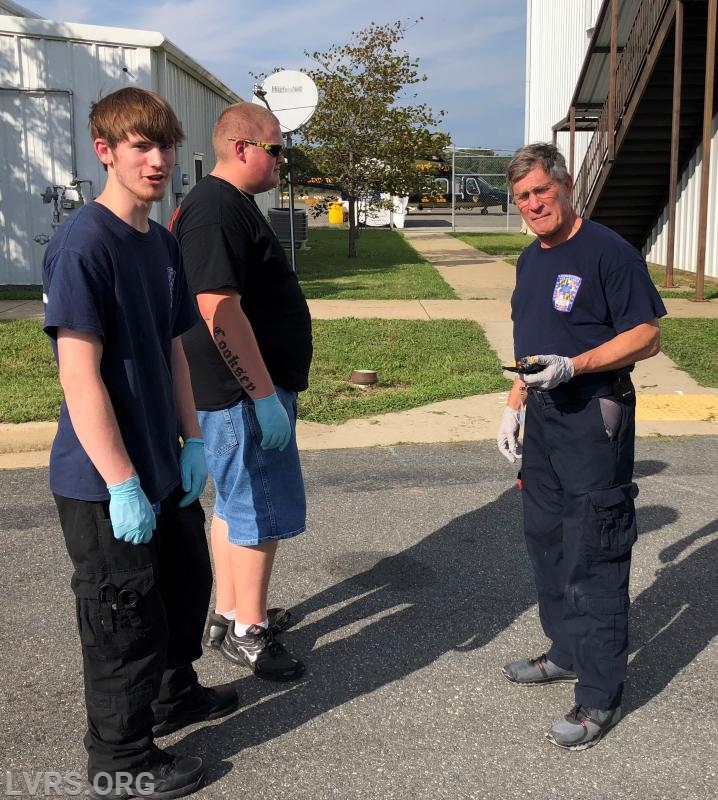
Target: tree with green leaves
[(368, 132)]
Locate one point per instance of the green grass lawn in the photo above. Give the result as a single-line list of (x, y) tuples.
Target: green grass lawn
[(685, 283), (691, 343), (418, 362), (497, 244), (29, 389), (509, 246), (386, 268), (20, 293)]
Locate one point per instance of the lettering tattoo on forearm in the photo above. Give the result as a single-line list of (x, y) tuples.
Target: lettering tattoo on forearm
[(232, 360)]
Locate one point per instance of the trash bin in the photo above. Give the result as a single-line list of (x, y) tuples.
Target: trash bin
[(336, 213)]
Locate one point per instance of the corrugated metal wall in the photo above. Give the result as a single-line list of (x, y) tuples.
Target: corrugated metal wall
[(687, 208), (48, 86), (558, 33), (44, 133), (198, 106), (557, 37)]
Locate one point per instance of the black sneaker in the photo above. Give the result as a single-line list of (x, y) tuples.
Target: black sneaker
[(170, 777), (262, 653), (216, 628), (583, 727), (201, 704), (537, 670)]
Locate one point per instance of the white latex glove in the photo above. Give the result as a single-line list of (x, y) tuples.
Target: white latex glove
[(507, 437), (559, 369)]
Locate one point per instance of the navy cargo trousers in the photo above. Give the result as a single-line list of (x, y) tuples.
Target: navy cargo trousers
[(580, 527), (140, 614)]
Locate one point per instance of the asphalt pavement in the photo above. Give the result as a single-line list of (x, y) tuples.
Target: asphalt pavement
[(411, 588)]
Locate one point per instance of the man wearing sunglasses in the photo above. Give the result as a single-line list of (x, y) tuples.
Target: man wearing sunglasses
[(249, 356)]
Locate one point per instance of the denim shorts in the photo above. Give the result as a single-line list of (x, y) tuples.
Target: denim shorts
[(259, 493)]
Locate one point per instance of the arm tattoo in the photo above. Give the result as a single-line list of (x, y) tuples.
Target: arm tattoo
[(232, 360)]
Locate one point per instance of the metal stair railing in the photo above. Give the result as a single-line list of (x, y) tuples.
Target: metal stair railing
[(630, 67)]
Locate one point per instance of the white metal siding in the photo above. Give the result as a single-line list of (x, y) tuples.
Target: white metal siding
[(37, 140), (33, 158), (198, 106), (556, 44), (687, 208), (558, 33)]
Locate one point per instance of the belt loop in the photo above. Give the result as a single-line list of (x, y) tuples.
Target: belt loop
[(538, 394)]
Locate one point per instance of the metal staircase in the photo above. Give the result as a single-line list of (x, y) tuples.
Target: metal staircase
[(624, 180)]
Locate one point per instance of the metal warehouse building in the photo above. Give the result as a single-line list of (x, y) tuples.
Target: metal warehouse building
[(50, 73), (628, 90)]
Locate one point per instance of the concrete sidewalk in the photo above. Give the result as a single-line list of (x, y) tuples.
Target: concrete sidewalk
[(670, 403)]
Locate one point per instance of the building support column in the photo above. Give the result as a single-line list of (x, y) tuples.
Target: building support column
[(611, 121), (707, 136), (675, 142)]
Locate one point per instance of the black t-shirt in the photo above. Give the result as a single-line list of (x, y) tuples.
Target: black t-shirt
[(580, 294), (227, 243)]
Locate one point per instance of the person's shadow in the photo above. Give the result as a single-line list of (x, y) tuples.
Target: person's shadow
[(675, 618), (455, 590)]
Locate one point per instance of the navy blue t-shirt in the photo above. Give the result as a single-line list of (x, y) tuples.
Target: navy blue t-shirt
[(102, 276), (580, 294)]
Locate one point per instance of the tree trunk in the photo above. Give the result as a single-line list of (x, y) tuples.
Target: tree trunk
[(353, 228)]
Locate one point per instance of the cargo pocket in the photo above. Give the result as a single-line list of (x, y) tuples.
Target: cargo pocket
[(119, 613), (612, 531)]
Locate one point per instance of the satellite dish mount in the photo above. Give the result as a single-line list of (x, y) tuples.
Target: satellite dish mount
[(292, 97)]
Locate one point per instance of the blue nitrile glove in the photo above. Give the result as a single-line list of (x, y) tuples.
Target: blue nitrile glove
[(274, 422), (559, 369), (131, 514), (193, 467)]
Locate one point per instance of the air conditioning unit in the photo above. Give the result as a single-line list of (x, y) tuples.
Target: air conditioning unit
[(279, 220)]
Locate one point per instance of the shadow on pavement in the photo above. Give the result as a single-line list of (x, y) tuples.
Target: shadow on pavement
[(675, 618), (455, 590)]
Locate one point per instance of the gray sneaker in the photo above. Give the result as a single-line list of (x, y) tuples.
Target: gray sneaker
[(262, 653), (216, 628), (537, 670), (583, 727)]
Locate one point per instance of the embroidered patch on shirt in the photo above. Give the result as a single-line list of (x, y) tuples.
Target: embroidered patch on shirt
[(565, 291)]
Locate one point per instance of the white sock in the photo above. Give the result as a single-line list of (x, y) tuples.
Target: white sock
[(241, 630), (230, 615)]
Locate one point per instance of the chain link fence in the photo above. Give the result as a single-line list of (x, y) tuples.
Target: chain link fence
[(465, 181)]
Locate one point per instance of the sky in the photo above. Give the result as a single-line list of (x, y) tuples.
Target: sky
[(472, 51)]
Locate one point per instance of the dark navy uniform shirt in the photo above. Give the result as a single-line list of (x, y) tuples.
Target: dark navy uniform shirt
[(103, 277), (580, 294)]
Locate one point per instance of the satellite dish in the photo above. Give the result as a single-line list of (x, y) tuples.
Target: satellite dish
[(290, 95)]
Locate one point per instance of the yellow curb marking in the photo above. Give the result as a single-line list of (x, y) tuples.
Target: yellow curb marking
[(690, 407)]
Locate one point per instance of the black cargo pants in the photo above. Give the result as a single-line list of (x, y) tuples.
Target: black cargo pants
[(140, 614), (579, 522)]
